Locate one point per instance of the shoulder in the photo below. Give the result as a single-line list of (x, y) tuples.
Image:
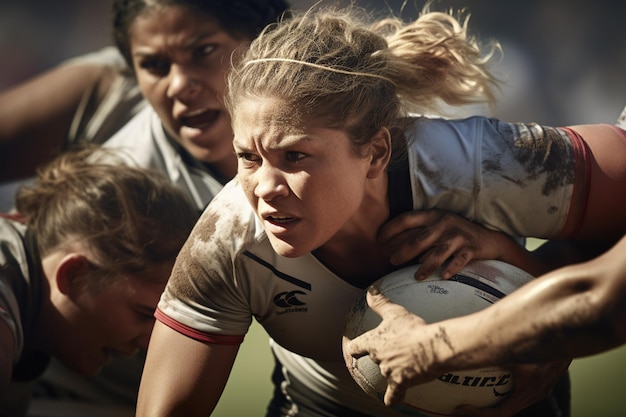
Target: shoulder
[(229, 218), (136, 139), (484, 132), (12, 234), (14, 287), (227, 227), (468, 127), (108, 56)]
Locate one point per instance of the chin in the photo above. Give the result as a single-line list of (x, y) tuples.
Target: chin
[(285, 249)]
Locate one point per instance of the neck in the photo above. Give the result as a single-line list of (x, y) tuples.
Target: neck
[(354, 252), (226, 169), (49, 321)]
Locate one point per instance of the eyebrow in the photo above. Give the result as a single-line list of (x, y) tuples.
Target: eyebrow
[(284, 143), (188, 45)]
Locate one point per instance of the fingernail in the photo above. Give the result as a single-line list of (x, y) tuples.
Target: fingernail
[(373, 290)]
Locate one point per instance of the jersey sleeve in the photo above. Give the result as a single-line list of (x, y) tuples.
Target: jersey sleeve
[(207, 295), (96, 120), (13, 270), (522, 179)]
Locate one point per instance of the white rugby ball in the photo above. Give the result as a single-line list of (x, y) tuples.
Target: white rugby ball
[(478, 285)]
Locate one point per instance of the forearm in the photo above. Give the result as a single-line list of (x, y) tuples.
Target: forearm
[(513, 253), (182, 377), (572, 312), (35, 117)]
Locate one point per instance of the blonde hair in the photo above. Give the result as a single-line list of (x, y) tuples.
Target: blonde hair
[(131, 219), (340, 67)]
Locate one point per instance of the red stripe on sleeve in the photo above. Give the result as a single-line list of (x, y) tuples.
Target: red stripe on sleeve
[(219, 339)]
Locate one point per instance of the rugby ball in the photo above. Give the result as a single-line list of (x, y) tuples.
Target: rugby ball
[(478, 285)]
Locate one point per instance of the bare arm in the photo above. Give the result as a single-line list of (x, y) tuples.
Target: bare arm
[(574, 311), (182, 377), (35, 116)]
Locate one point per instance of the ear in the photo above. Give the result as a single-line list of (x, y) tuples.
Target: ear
[(381, 152), (71, 268)]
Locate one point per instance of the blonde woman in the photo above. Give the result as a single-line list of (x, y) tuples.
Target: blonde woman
[(333, 165)]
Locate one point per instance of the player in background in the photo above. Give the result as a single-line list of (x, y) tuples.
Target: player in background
[(82, 265)]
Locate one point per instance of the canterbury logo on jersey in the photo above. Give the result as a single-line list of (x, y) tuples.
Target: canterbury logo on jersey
[(289, 301)]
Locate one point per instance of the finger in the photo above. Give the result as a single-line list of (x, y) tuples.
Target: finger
[(383, 306), (433, 259), (410, 244), (404, 222), (357, 347), (394, 394), (456, 263)]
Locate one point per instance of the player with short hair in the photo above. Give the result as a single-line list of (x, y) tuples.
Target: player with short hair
[(82, 265)]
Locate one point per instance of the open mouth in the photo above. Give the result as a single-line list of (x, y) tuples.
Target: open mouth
[(279, 219), (200, 119)]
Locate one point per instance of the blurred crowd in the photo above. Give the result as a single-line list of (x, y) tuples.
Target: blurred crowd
[(563, 63)]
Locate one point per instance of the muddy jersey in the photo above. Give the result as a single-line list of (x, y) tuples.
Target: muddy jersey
[(525, 180)]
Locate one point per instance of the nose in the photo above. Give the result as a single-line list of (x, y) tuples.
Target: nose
[(183, 83), (270, 183)]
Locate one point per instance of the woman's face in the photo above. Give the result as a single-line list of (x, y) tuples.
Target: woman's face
[(181, 59), (114, 320), (304, 182)]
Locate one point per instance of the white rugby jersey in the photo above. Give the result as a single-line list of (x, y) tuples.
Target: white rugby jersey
[(517, 178), (144, 140)]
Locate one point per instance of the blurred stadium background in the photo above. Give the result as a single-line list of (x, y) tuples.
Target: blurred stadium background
[(564, 61)]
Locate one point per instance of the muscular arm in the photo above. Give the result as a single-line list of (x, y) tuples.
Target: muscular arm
[(35, 116), (571, 312), (182, 377)]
